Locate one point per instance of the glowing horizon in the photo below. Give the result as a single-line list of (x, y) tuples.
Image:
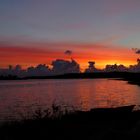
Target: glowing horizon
[(32, 54)]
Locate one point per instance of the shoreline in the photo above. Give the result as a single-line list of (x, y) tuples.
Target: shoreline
[(132, 78)]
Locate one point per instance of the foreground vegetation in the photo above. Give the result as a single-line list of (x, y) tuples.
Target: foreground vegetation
[(97, 124)]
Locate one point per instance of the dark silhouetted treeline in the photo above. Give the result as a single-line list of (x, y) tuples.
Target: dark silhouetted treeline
[(133, 78)]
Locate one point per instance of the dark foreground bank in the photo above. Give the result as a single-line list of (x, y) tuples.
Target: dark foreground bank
[(96, 124)]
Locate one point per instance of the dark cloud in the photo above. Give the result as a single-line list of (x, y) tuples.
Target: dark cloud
[(136, 50), (68, 52), (63, 66), (59, 66), (39, 70)]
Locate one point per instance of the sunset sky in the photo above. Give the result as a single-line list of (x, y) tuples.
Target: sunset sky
[(39, 31)]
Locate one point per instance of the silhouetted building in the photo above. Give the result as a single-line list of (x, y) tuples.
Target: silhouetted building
[(91, 68)]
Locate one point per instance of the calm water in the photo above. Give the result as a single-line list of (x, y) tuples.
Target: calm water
[(21, 97)]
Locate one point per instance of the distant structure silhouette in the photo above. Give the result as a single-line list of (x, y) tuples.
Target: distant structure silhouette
[(60, 66), (115, 67), (135, 68), (91, 68)]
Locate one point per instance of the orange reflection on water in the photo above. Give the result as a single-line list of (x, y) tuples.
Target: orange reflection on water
[(82, 94), (106, 93)]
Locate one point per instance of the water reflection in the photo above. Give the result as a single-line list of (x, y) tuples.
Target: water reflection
[(17, 96)]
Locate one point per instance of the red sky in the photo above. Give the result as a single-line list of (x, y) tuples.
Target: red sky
[(28, 54)]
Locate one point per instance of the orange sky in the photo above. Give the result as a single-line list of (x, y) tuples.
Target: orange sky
[(36, 53)]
